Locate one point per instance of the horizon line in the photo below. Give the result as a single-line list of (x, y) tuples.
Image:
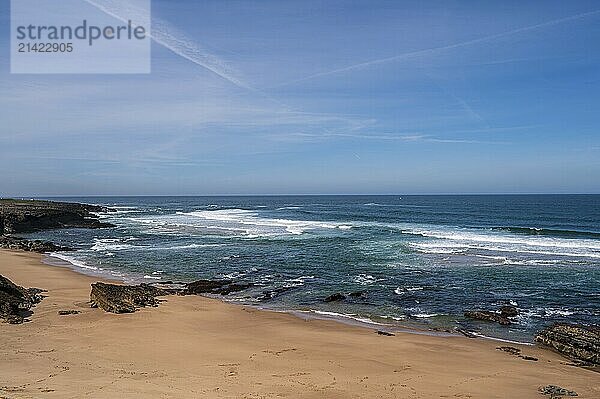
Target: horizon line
[(39, 196)]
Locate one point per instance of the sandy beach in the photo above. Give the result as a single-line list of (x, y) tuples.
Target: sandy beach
[(192, 347)]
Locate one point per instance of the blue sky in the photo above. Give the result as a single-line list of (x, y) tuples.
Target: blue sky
[(323, 97)]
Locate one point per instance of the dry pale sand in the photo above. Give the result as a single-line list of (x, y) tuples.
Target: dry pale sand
[(194, 347)]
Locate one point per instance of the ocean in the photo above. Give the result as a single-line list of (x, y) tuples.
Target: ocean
[(418, 261)]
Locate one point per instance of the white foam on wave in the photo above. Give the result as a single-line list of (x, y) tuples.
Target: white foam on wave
[(436, 248), (397, 318), (239, 274), (188, 246), (351, 316), (466, 235), (404, 290), (122, 211), (425, 315), (297, 282), (459, 240), (109, 244), (550, 312), (116, 244), (366, 279), (240, 222), (73, 261)]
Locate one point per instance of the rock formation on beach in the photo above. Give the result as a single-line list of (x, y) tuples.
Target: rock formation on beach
[(516, 352), (556, 392), (27, 216), (128, 298), (577, 342), (16, 243), (16, 301), (115, 298)]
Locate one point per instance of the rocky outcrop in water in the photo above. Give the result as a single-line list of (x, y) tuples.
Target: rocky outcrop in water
[(508, 311), (267, 295), (220, 287), (27, 216), (16, 302), (486, 315), (16, 243), (338, 296), (502, 316), (581, 343), (124, 298)]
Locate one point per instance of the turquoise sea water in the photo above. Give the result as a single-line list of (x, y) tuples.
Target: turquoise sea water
[(419, 259)]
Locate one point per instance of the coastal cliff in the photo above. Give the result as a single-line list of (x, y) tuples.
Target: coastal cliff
[(28, 216)]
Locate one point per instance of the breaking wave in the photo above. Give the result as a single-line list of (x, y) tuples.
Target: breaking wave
[(238, 222)]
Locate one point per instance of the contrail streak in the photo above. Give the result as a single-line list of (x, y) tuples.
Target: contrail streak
[(168, 37), (419, 53)]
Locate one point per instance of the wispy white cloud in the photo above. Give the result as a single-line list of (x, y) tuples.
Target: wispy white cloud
[(416, 137), (434, 50), (176, 41)]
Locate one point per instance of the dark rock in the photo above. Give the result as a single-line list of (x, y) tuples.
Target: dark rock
[(124, 298), (221, 287), (27, 216), (204, 286), (510, 349), (516, 352), (508, 311), (533, 359), (385, 333), (577, 342), (231, 288), (270, 294), (16, 301), (556, 392), (335, 297), (8, 242), (486, 315), (68, 312)]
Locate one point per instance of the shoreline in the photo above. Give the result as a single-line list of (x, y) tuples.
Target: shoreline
[(310, 314), (47, 259), (201, 347)]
